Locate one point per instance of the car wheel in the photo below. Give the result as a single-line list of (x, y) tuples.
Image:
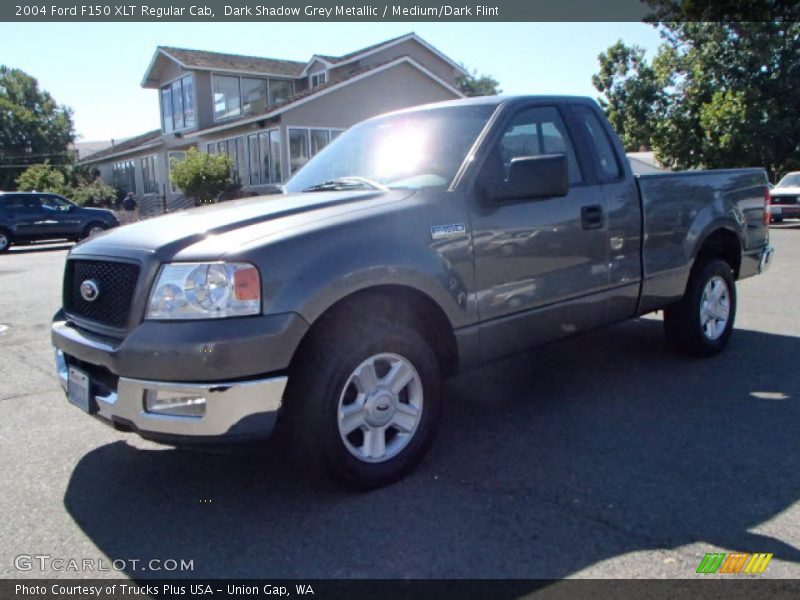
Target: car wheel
[(93, 229), (364, 400), (702, 322), (5, 240)]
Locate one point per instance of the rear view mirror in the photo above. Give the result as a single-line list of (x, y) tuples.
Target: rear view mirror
[(544, 176)]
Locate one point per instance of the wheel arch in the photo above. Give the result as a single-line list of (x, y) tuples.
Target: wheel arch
[(723, 243), (398, 302)]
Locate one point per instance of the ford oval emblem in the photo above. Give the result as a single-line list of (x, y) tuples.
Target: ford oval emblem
[(90, 290)]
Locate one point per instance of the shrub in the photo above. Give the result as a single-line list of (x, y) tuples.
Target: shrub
[(203, 176)]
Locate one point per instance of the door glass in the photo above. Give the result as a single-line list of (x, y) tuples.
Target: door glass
[(533, 132), (54, 203), (609, 168)]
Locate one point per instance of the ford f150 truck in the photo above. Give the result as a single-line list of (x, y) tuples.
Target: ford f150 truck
[(415, 245)]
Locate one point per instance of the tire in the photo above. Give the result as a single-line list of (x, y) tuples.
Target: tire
[(700, 325), (92, 229), (323, 399), (5, 240)]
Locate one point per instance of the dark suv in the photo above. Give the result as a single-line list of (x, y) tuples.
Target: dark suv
[(36, 216)]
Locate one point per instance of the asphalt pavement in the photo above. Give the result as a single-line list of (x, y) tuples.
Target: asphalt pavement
[(605, 455)]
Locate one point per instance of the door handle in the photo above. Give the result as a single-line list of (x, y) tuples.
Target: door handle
[(592, 216)]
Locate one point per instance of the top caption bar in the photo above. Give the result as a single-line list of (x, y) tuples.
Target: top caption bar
[(391, 10)]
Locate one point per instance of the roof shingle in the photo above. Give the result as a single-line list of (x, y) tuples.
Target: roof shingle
[(202, 59)]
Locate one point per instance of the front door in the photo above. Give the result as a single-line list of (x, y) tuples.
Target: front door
[(541, 264)]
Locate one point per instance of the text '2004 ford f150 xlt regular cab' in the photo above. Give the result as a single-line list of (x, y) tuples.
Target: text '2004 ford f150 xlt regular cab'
[(416, 244)]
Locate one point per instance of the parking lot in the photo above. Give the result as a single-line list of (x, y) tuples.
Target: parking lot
[(605, 455)]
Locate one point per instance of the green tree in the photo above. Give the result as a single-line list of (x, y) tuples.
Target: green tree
[(42, 178), (473, 84), (631, 92), (33, 127), (726, 90), (203, 176)]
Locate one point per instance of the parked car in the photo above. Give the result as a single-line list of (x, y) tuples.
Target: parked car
[(27, 217), (415, 245), (785, 198)]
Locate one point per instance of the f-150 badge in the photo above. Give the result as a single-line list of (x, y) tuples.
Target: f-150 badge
[(445, 231)]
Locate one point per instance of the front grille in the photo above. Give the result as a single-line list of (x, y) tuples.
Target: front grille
[(785, 200), (116, 282)]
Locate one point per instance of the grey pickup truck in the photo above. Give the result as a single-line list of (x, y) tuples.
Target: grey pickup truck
[(417, 244)]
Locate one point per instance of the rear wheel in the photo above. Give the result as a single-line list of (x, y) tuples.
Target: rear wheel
[(5, 240), (702, 322), (363, 400)]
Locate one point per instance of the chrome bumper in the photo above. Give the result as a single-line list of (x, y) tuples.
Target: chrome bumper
[(766, 259), (246, 409)]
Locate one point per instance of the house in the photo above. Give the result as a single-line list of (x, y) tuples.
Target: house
[(269, 115)]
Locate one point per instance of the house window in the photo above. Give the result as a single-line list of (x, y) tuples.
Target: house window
[(318, 79), (124, 177), (177, 105), (227, 99), (149, 178), (265, 157), (305, 142), (279, 91), (237, 96), (254, 95), (173, 158), (236, 150)]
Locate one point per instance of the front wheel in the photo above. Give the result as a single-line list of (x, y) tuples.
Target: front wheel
[(364, 402), (702, 322)]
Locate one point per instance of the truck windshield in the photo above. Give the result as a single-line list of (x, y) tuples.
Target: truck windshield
[(410, 150), (792, 179)]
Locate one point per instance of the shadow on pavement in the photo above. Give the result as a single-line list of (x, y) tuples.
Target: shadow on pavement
[(545, 464)]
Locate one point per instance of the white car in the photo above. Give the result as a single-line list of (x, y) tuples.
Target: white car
[(785, 198)]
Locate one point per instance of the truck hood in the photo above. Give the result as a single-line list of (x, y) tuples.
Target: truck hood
[(210, 232), (789, 190)]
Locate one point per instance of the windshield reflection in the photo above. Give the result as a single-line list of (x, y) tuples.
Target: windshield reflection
[(409, 150)]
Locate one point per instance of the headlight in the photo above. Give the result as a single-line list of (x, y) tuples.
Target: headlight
[(205, 291)]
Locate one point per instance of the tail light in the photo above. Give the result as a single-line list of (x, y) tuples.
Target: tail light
[(767, 202)]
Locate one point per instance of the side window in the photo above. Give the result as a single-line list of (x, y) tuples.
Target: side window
[(533, 132), (20, 203), (598, 137), (54, 203)]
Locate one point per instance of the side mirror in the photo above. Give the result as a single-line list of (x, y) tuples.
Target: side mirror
[(544, 176)]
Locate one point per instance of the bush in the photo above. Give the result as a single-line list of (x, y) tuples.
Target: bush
[(42, 178), (203, 176), (79, 187), (93, 193)]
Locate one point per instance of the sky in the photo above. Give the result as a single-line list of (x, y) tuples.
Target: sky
[(96, 68)]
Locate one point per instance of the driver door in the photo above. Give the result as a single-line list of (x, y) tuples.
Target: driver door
[(540, 263), (60, 216)]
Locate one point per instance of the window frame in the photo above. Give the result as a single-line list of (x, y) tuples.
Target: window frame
[(167, 87), (308, 130), (321, 79), (269, 132), (153, 158), (239, 77)]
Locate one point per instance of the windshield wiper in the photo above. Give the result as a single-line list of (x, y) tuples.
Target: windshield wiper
[(346, 183)]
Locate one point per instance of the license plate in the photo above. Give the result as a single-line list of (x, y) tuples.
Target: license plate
[(78, 389)]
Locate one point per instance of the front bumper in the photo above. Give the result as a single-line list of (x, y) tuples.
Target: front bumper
[(234, 411)]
